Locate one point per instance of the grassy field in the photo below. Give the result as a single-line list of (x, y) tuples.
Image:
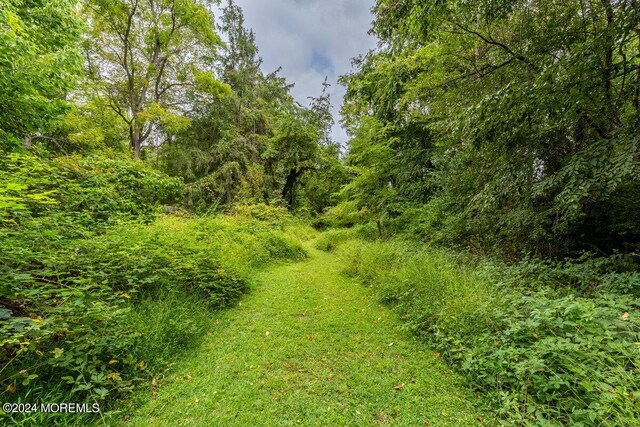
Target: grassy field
[(309, 347)]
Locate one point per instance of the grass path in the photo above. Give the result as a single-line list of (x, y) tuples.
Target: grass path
[(309, 347)]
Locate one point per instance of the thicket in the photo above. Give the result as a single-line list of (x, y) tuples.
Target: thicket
[(99, 297), (114, 111), (503, 128), (499, 126), (545, 343), (509, 130)]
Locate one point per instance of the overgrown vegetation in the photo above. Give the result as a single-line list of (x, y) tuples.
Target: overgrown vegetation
[(540, 353), (98, 294), (501, 126), (94, 300), (509, 130), (505, 132)]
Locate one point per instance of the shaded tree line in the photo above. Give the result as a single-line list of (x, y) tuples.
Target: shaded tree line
[(164, 79), (509, 125)]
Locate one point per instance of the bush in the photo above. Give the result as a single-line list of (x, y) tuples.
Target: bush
[(560, 360), (345, 214), (332, 239), (94, 296), (586, 275), (76, 194), (542, 353)]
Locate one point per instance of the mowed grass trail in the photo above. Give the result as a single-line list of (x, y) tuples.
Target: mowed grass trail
[(309, 347)]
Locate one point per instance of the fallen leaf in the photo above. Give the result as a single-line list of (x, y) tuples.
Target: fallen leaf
[(398, 387), (113, 362), (187, 377), (154, 382), (11, 388)]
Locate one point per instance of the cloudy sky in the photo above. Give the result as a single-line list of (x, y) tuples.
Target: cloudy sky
[(311, 39)]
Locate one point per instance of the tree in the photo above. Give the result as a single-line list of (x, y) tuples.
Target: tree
[(221, 154), (520, 117), (294, 146), (39, 59), (301, 135), (147, 56)]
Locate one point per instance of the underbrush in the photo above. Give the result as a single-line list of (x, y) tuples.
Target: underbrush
[(547, 343), (332, 239), (97, 297), (103, 314)]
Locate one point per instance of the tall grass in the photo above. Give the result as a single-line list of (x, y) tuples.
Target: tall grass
[(125, 304), (541, 354)]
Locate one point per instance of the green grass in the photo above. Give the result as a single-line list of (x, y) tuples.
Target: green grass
[(308, 347), (121, 307), (538, 349)]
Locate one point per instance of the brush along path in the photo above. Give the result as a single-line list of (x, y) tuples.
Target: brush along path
[(309, 347)]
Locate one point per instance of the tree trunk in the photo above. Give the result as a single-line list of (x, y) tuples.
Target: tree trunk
[(288, 192), (607, 71), (135, 134), (379, 224), (135, 143), (637, 98)]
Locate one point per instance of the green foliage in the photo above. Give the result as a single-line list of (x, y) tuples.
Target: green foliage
[(79, 268), (83, 191), (38, 62), (346, 214), (332, 239), (255, 144), (320, 189), (147, 60), (569, 359), (517, 119), (275, 216), (540, 351), (78, 316)]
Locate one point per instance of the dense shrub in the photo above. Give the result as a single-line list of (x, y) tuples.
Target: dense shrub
[(88, 192), (345, 214), (544, 352), (95, 296), (98, 315), (333, 238)]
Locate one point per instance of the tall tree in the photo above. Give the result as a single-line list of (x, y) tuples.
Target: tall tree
[(145, 56), (221, 154), (523, 116)]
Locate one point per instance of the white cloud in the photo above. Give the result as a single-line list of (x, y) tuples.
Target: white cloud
[(310, 39)]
